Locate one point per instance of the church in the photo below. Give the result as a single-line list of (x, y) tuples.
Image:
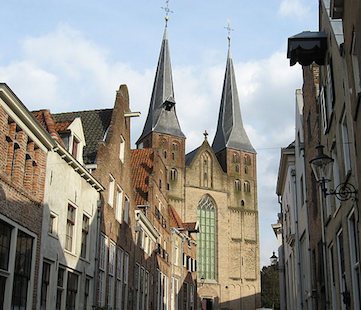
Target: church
[(214, 185)]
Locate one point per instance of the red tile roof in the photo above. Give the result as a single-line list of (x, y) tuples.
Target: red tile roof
[(46, 119), (142, 162), (174, 218)]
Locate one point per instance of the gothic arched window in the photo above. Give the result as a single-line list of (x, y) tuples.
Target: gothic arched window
[(247, 187), (206, 249), (237, 185), (247, 159), (173, 174), (235, 158)]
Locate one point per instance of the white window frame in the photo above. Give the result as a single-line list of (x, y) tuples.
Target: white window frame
[(102, 269), (119, 204), (119, 277), (111, 190), (122, 149), (345, 143)]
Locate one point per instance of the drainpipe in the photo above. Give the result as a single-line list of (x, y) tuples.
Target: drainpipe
[(297, 246), (96, 258), (281, 268)]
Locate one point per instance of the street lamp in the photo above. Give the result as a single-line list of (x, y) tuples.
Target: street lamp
[(322, 167), (274, 259)]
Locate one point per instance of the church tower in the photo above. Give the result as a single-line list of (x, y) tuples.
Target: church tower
[(221, 195), (162, 130)]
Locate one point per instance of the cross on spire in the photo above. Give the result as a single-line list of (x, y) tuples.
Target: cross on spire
[(205, 134), (167, 10), (229, 29)]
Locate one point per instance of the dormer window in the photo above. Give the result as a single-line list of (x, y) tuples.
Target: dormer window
[(75, 148)]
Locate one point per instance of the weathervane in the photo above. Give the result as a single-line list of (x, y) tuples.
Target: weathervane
[(229, 29), (167, 11)]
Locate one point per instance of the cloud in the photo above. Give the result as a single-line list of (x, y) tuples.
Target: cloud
[(294, 8)]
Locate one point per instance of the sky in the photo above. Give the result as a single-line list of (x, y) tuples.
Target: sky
[(73, 55)]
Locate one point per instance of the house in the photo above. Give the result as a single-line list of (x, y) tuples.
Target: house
[(24, 147)]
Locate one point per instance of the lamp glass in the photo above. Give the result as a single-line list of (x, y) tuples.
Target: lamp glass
[(322, 166)]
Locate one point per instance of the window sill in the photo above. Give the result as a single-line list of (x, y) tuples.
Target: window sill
[(84, 260), (53, 235), (70, 253)]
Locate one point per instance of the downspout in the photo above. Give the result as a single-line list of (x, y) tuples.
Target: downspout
[(281, 268), (96, 267), (297, 247)]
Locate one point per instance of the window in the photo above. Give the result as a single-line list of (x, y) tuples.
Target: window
[(185, 296), (206, 170), (71, 291), (247, 159), (237, 168), (118, 295), (126, 274), (122, 149), (23, 257), (173, 174), (330, 94), (341, 265), (84, 236), (247, 187), (235, 158), (165, 154), (242, 203), (86, 293), (355, 64), (70, 228), (102, 269), (173, 156), (333, 278), (119, 204), (111, 190), (5, 238), (237, 185), (60, 288), (336, 174), (126, 209), (324, 113), (345, 143), (44, 285), (75, 148), (355, 260), (176, 256), (52, 224), (175, 146), (246, 169), (206, 249)]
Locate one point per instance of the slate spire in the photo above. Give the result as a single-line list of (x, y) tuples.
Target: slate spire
[(230, 131), (162, 117)]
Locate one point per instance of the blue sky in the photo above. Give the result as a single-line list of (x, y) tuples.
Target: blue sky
[(72, 55)]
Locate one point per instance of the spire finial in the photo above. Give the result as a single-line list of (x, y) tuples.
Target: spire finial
[(205, 134), (229, 29), (167, 11)]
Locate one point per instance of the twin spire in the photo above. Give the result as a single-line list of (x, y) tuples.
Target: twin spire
[(162, 116)]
